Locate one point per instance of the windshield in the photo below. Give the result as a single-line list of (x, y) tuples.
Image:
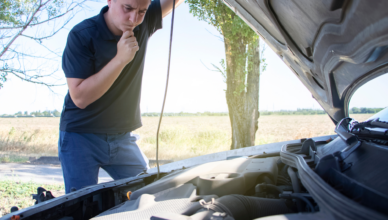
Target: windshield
[(382, 116), (374, 129), (368, 99)]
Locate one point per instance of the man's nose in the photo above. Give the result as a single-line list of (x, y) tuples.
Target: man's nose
[(133, 17)]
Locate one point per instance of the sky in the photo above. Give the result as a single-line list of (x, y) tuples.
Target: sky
[(193, 87)]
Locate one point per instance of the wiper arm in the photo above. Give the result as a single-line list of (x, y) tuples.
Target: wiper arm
[(376, 123), (371, 130), (379, 124)]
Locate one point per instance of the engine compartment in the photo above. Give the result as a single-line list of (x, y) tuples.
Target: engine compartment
[(267, 185), (240, 188)]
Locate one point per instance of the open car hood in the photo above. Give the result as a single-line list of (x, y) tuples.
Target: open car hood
[(332, 46)]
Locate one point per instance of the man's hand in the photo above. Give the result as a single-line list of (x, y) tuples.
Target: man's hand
[(127, 47)]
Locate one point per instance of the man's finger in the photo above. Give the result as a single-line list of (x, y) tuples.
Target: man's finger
[(132, 39), (127, 34), (132, 44)]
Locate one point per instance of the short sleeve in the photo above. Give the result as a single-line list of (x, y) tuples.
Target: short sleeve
[(77, 59), (154, 17)]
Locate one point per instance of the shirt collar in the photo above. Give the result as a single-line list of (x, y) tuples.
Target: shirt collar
[(103, 29)]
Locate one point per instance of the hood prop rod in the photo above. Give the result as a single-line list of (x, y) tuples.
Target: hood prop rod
[(165, 92)]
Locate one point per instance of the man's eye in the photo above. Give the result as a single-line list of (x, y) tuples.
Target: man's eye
[(128, 9)]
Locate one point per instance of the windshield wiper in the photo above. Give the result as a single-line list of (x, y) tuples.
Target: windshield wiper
[(376, 123), (374, 130)]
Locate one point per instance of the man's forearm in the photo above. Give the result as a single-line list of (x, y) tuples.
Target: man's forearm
[(83, 92)]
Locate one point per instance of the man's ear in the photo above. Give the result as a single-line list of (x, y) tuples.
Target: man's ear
[(109, 2)]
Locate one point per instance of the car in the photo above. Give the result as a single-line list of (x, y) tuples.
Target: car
[(333, 47)]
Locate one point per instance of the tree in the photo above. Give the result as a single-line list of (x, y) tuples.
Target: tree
[(46, 113), (37, 113), (56, 113), (33, 21), (241, 69), (355, 110)]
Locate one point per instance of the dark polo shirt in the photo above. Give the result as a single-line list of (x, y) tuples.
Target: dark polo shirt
[(90, 46)]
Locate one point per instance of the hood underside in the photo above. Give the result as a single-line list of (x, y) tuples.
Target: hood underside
[(332, 46)]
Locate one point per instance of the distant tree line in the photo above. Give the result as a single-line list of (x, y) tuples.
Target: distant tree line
[(299, 111), (356, 110), (47, 113), (151, 114), (306, 111)]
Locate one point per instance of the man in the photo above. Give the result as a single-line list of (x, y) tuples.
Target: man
[(103, 62)]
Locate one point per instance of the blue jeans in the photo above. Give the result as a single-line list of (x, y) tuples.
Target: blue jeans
[(82, 154)]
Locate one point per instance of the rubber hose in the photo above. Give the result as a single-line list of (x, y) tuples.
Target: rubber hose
[(267, 180), (267, 189), (299, 196), (283, 181), (295, 186), (284, 170)]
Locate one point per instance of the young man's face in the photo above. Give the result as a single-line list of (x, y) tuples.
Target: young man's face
[(127, 14)]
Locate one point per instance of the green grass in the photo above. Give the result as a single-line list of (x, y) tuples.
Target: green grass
[(13, 158), (17, 193)]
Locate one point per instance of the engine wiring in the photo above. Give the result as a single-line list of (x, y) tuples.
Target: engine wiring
[(165, 92)]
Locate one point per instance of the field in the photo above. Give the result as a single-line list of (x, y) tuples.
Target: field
[(180, 137)]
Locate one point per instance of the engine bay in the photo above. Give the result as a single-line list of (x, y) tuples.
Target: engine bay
[(291, 183), (235, 187), (195, 188)]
